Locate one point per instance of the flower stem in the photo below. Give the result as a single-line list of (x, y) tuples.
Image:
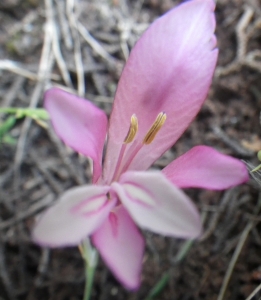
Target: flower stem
[(89, 276), (90, 257)]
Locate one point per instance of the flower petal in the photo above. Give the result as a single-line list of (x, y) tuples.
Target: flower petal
[(156, 204), (169, 70), (78, 213), (121, 246), (204, 167), (80, 124)]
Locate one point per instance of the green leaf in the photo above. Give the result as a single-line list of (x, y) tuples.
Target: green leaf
[(183, 251), (34, 113), (158, 288), (8, 139), (7, 125)]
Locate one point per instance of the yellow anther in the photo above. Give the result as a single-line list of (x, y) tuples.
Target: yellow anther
[(154, 129), (132, 130)]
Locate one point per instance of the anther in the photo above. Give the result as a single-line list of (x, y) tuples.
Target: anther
[(154, 129), (132, 130)]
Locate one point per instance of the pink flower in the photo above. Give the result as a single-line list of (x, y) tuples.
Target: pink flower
[(162, 88)]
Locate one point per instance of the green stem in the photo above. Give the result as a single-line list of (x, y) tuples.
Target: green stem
[(90, 256), (89, 276)]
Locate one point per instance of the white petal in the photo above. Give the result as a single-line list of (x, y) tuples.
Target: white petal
[(156, 204), (78, 213)]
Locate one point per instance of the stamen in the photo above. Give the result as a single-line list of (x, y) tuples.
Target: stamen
[(132, 130), (154, 129)]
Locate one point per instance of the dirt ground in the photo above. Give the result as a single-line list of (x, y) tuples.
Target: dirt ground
[(83, 45)]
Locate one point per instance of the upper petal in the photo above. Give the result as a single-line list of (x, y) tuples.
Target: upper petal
[(78, 213), (204, 167), (169, 70), (79, 123), (156, 204), (121, 246)]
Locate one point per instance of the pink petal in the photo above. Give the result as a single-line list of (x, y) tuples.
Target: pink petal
[(78, 213), (204, 167), (80, 124), (169, 70), (121, 246), (156, 204)]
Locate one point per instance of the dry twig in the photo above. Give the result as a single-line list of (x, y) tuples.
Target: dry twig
[(238, 250)]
